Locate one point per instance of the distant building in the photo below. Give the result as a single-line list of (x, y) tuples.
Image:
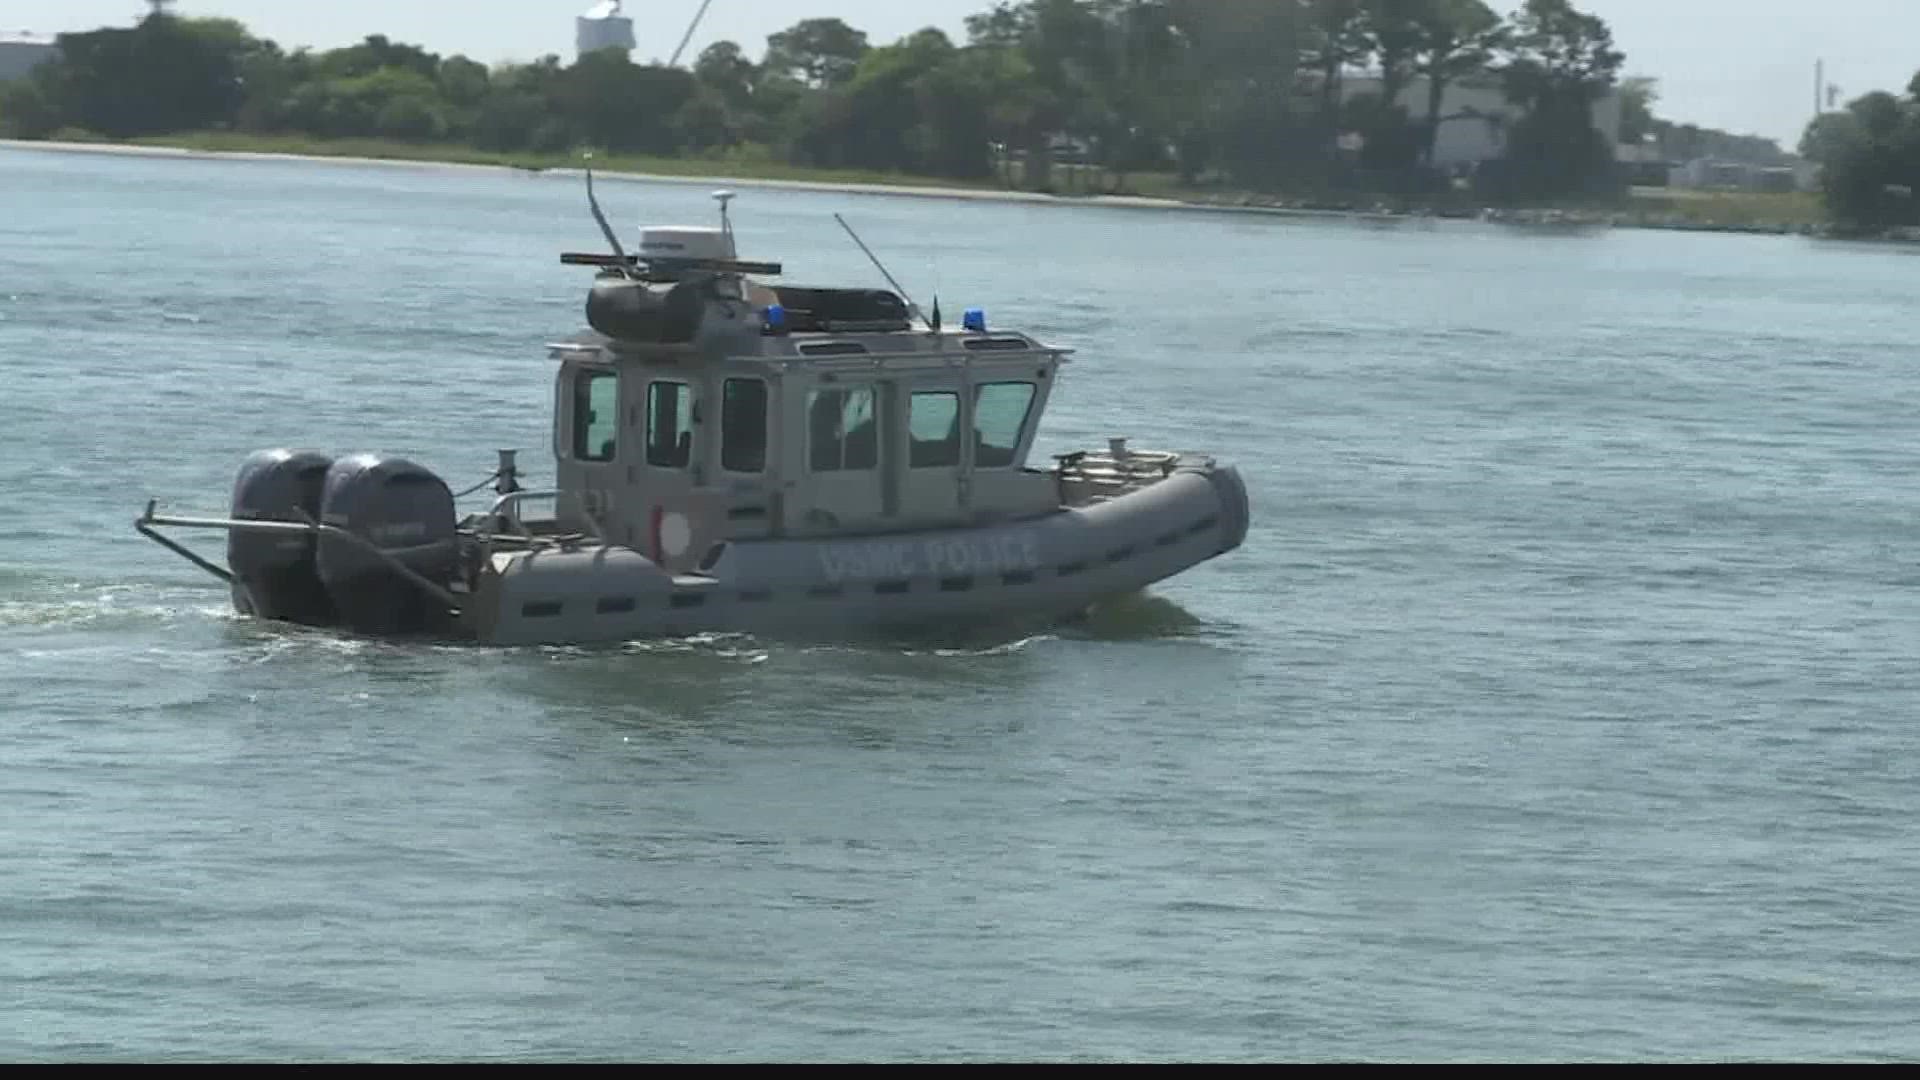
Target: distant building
[(1475, 116), (1712, 174), (603, 27), (22, 52), (1644, 165)]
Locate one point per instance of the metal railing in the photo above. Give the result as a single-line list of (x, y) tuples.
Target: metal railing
[(147, 521)]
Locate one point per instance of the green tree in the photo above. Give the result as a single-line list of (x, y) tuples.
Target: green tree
[(1338, 40), (373, 54), (705, 123), (820, 52), (464, 86), (1869, 157), (396, 103), (1139, 93), (1637, 97), (165, 74), (519, 111), (1070, 52), (268, 77), (974, 99), (463, 82), (618, 105), (1831, 135), (27, 110), (774, 118), (1457, 39), (874, 122), (510, 118), (1393, 36), (1560, 62), (1035, 33), (1239, 68), (725, 69), (1392, 144)]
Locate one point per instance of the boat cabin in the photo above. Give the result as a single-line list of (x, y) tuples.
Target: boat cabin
[(769, 411)]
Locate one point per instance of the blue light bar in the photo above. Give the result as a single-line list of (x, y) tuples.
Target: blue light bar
[(975, 320), (776, 317)]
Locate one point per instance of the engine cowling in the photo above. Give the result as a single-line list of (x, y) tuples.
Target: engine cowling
[(276, 576), (408, 513)]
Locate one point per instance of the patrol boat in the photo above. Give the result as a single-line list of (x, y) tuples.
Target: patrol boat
[(734, 456)]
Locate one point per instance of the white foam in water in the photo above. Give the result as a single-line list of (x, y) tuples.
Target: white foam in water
[(35, 603)]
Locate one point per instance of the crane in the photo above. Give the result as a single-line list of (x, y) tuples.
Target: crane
[(688, 36)]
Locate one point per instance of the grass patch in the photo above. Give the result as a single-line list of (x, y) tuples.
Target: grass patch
[(1730, 207)]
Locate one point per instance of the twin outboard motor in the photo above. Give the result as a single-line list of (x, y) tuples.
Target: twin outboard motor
[(402, 509), (407, 512), (276, 576)]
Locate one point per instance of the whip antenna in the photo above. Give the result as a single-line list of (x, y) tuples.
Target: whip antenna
[(605, 229), (911, 306)]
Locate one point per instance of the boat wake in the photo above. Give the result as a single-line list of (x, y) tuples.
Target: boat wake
[(79, 606), (1135, 617)]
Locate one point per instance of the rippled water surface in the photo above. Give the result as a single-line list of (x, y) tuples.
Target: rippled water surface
[(1561, 705)]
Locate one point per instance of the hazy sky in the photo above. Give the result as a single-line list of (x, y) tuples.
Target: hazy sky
[(1721, 63)]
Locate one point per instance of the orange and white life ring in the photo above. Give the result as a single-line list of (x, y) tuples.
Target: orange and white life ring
[(670, 533)]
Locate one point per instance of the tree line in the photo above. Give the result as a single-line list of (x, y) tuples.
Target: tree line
[(1244, 93), (1869, 157)]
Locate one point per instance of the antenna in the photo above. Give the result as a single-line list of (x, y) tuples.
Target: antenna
[(605, 229), (911, 306), (628, 265), (726, 224)]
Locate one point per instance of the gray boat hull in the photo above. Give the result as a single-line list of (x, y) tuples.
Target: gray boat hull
[(1047, 567)]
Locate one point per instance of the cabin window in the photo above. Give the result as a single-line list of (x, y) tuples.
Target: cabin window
[(743, 425), (596, 415), (933, 430), (999, 420), (842, 431), (669, 424)]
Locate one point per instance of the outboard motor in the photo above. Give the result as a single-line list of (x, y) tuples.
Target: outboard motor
[(652, 312), (405, 511), (276, 576)]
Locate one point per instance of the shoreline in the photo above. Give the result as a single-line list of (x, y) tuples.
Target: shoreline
[(926, 191), (1558, 220), (854, 187)]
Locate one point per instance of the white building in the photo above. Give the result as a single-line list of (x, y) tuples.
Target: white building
[(1474, 116), (603, 27), (21, 53), (1714, 175)]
